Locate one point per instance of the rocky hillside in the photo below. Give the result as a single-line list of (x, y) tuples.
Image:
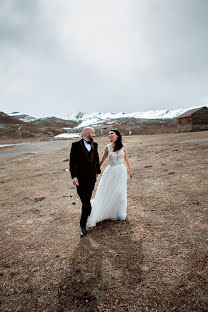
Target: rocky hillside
[(53, 121), (28, 127), (6, 119), (132, 126), (11, 127)]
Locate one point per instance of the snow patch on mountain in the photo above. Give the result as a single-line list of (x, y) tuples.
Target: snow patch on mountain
[(68, 135), (95, 118), (22, 117), (87, 119)]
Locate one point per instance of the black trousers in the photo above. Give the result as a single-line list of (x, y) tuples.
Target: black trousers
[(84, 191)]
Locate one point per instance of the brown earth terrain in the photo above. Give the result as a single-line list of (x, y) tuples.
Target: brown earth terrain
[(135, 126), (12, 128), (155, 260)]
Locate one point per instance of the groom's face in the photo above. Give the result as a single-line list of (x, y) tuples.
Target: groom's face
[(91, 134)]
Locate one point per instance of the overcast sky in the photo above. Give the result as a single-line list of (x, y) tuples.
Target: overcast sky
[(63, 56)]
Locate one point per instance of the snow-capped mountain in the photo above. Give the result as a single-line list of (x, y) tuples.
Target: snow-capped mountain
[(97, 118), (94, 118), (61, 125)]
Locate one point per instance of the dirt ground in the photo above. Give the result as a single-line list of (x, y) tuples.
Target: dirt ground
[(156, 260)]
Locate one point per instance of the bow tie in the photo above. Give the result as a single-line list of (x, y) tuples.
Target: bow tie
[(88, 142)]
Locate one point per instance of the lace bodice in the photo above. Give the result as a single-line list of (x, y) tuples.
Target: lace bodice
[(115, 158)]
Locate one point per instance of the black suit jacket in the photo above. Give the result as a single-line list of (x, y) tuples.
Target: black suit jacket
[(81, 165)]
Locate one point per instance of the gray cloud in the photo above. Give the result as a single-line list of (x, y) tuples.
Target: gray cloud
[(63, 56)]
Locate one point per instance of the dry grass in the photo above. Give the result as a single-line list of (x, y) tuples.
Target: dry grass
[(156, 260)]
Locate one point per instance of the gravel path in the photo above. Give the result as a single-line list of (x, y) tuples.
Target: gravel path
[(32, 148)]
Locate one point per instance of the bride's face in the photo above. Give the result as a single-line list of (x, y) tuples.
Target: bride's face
[(112, 136)]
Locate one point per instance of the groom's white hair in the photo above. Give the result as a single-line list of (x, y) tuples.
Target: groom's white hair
[(86, 130)]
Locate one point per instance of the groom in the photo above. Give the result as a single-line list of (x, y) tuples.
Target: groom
[(84, 167)]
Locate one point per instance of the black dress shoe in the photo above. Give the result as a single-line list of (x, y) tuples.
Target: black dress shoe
[(83, 232)]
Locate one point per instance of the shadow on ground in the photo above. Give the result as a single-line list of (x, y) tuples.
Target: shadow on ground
[(103, 271)]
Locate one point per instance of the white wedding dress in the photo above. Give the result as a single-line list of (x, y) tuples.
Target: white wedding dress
[(110, 201)]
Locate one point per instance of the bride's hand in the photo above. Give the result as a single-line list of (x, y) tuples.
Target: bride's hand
[(130, 176), (75, 181)]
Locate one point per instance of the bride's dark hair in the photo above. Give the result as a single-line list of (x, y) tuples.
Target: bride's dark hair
[(118, 142)]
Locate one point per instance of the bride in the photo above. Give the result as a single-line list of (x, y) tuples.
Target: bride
[(110, 201)]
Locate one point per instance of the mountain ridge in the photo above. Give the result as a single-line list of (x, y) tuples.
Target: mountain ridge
[(150, 122), (96, 116)]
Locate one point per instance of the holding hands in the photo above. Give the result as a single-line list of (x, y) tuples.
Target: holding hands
[(75, 181)]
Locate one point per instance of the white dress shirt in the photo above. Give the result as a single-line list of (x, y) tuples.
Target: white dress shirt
[(87, 145)]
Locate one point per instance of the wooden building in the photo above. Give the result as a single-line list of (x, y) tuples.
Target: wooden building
[(194, 119)]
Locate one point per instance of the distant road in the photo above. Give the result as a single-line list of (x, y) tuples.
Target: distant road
[(33, 147), (48, 146)]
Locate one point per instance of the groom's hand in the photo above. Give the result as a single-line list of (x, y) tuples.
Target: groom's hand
[(75, 181)]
